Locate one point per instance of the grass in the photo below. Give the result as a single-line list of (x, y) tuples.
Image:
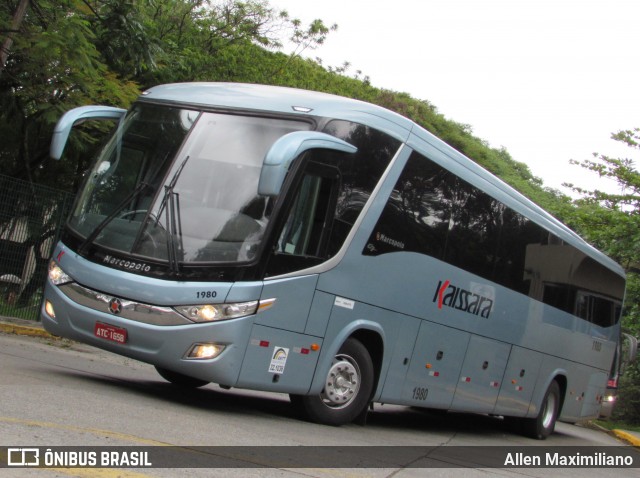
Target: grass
[(617, 425), (30, 312)]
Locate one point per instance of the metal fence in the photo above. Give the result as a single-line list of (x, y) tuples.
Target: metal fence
[(31, 217)]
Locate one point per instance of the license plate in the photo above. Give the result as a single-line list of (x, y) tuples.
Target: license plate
[(110, 332)]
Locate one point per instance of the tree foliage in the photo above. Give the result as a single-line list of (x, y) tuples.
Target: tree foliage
[(611, 221), (73, 52)]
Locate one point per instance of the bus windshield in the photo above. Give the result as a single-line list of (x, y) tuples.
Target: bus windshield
[(180, 185)]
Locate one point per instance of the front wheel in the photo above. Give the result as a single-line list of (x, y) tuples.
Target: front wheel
[(347, 387), (543, 425)]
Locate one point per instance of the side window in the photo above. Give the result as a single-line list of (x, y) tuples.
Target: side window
[(562, 297), (602, 312), (474, 230), (595, 309), (359, 172), (329, 192), (305, 230), (418, 214), (304, 237)]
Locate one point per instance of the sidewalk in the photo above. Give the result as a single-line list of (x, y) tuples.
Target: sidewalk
[(31, 328), (35, 329)]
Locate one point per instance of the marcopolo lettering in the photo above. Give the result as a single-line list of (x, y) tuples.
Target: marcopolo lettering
[(125, 264), (387, 240), (461, 299)]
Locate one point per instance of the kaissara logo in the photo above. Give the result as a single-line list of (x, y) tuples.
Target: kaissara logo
[(472, 302)]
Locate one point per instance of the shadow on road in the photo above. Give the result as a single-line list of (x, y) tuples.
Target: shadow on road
[(247, 403)]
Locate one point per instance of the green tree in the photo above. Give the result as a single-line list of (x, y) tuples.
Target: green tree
[(611, 221), (53, 66)]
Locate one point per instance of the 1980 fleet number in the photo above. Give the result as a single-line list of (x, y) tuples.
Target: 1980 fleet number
[(420, 393)]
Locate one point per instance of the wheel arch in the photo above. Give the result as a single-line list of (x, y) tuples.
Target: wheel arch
[(369, 333), (374, 344), (562, 383), (559, 376)]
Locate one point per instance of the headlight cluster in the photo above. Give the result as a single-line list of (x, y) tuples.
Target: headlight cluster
[(199, 313), (56, 275), (215, 312)]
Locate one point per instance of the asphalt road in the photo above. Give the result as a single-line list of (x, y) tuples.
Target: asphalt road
[(59, 393)]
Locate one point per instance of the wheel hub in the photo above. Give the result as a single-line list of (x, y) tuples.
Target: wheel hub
[(342, 383)]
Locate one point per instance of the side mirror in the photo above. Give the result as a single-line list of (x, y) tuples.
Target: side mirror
[(286, 149), (75, 116)]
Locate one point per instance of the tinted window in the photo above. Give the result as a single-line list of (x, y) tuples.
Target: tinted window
[(433, 212), (359, 172), (328, 195)]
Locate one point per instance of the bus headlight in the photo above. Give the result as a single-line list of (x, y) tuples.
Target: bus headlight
[(56, 275), (215, 312)]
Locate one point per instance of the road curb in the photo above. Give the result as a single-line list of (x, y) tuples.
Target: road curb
[(628, 437), (20, 329)]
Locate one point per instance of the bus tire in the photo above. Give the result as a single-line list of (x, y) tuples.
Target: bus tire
[(543, 425), (347, 390), (179, 379)]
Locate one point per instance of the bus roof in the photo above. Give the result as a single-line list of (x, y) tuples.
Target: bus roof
[(305, 103), (281, 99)]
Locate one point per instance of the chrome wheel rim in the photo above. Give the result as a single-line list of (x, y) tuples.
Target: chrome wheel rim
[(549, 411), (342, 382)]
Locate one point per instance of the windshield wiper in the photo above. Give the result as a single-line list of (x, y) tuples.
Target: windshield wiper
[(174, 229), (169, 188), (105, 222), (171, 204)]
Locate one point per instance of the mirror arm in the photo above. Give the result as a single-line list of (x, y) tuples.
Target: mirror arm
[(289, 147), (75, 116)]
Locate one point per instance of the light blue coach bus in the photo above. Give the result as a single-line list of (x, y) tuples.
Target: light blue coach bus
[(290, 241)]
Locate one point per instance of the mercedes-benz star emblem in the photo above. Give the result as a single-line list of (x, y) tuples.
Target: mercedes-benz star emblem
[(115, 306)]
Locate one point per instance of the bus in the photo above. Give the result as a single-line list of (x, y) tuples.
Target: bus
[(625, 354), (282, 240)]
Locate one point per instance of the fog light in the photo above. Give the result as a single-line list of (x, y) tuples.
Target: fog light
[(48, 308), (204, 351)]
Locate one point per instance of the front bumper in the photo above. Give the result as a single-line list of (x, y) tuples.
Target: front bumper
[(161, 345)]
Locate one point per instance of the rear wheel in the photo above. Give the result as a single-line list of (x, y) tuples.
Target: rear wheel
[(347, 387), (179, 379), (543, 425)]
